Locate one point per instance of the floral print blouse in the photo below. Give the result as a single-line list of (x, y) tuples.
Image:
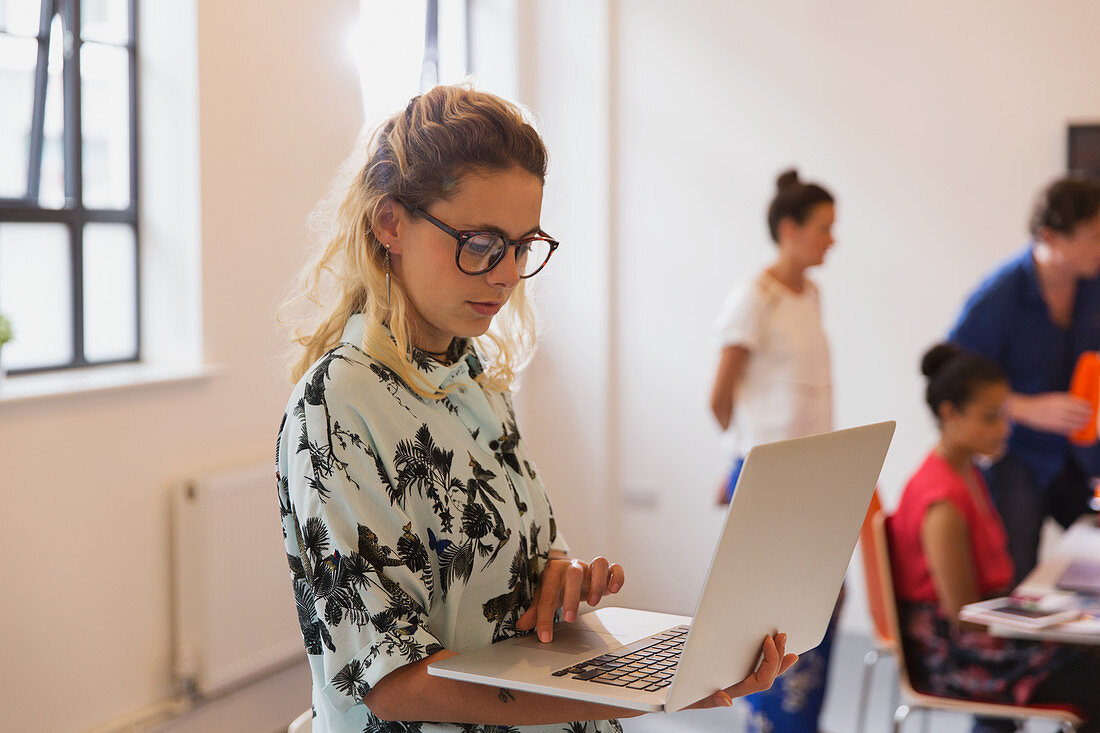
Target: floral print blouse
[(411, 525)]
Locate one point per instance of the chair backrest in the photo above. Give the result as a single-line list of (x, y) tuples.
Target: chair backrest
[(888, 599), (868, 544)]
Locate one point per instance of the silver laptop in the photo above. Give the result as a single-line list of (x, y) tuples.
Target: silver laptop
[(779, 564)]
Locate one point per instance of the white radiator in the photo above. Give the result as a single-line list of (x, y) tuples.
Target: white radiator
[(233, 603)]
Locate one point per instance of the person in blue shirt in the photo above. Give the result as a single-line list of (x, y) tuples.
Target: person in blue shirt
[(1034, 315)]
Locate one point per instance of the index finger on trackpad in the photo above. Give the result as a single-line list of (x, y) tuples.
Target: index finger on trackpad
[(566, 641)]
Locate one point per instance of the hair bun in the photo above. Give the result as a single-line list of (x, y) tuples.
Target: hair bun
[(936, 357), (787, 179)]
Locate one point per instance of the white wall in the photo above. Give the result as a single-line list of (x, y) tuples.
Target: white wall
[(934, 124), (566, 402), (85, 479)]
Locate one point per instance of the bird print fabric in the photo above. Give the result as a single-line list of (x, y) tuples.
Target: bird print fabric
[(411, 525)]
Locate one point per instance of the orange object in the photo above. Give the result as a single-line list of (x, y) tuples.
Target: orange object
[(1086, 385), (875, 598)]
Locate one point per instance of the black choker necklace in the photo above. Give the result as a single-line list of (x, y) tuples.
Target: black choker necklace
[(441, 355)]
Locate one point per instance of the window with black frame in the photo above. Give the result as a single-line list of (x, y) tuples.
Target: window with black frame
[(69, 254), (446, 57), (426, 43)]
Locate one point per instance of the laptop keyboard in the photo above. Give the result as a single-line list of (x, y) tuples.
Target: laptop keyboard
[(647, 664)]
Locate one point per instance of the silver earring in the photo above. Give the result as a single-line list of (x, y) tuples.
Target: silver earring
[(387, 277)]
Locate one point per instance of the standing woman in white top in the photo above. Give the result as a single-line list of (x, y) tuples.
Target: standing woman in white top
[(773, 383)]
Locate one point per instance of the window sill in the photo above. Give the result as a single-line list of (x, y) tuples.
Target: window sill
[(34, 387)]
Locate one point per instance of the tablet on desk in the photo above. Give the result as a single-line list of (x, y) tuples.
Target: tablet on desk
[(1017, 614), (1081, 576)]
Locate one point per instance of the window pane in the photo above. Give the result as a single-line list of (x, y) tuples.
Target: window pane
[(452, 41), (52, 192), (105, 97), (17, 60), (389, 63), (105, 20), (110, 303), (20, 16), (35, 294)]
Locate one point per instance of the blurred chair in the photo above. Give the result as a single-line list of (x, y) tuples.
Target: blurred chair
[(926, 702), (880, 628), (302, 724)]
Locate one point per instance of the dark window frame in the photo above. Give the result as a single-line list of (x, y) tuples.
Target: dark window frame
[(429, 65), (74, 215), (1083, 148)]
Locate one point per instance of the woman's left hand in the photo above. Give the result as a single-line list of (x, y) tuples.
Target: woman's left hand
[(564, 581), (774, 663)]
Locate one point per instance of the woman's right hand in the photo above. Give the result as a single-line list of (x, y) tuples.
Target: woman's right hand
[(775, 663), (721, 493), (1050, 412), (564, 582)]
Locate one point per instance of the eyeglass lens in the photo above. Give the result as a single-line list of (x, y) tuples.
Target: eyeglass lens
[(481, 252)]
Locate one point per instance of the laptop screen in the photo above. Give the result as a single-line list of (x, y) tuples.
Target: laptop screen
[(1082, 576)]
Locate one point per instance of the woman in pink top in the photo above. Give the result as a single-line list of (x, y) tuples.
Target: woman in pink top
[(949, 548)]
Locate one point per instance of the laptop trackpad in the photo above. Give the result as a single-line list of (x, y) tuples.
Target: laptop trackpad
[(568, 641)]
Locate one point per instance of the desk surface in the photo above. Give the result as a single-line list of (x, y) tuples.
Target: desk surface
[(1082, 540)]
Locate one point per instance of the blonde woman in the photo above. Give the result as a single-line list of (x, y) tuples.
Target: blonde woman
[(416, 526)]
